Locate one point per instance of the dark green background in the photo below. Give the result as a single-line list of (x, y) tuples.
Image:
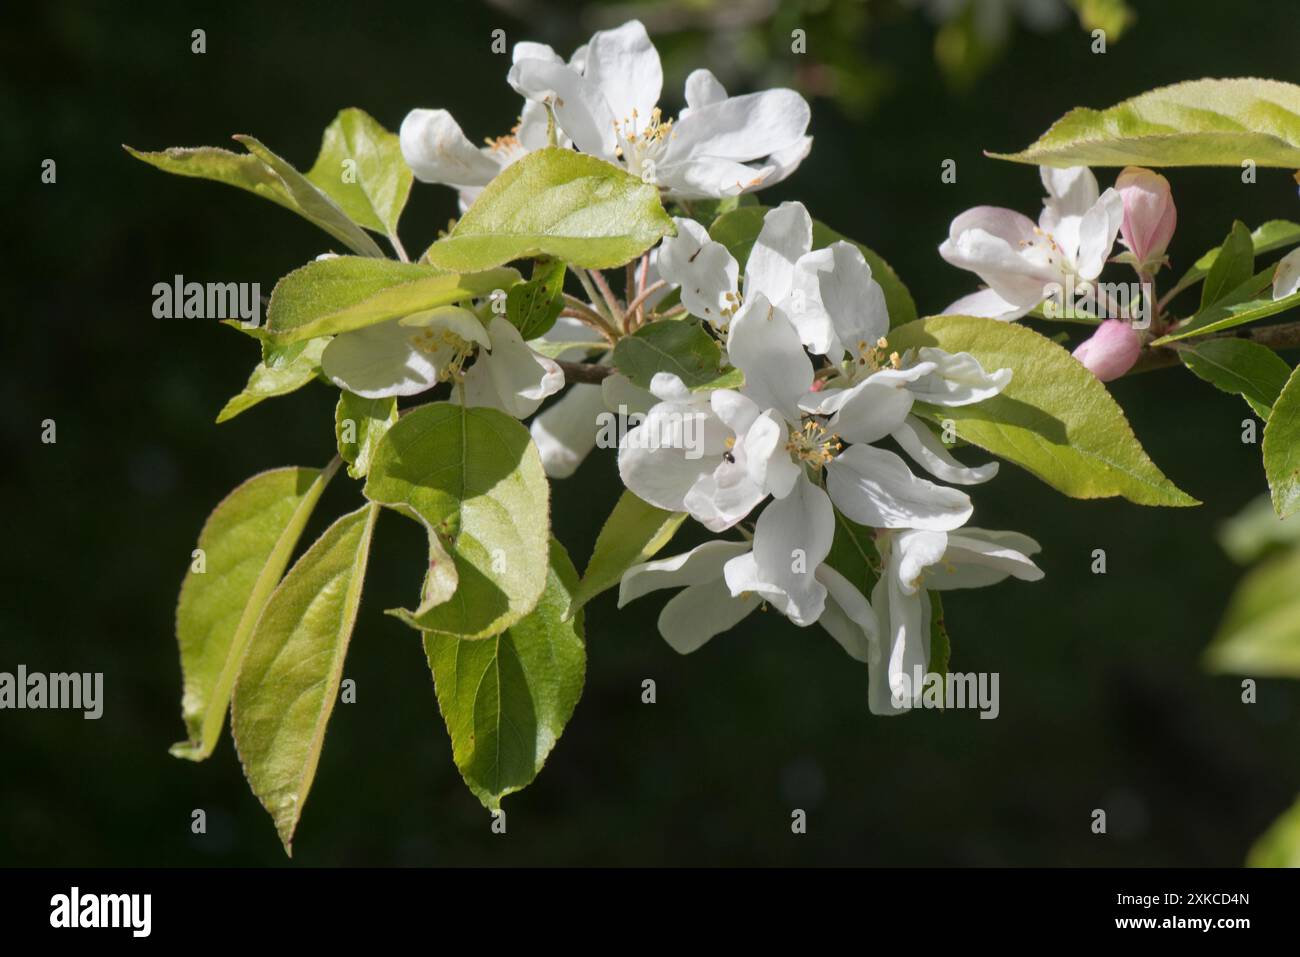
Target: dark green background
[(1104, 701)]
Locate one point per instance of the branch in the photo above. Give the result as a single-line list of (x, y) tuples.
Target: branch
[(585, 372), (1284, 335)]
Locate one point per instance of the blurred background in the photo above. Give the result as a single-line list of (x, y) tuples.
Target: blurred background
[(1105, 701)]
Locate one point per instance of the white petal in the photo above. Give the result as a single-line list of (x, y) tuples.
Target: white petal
[(654, 461), (569, 329), (1070, 194), (702, 89), (624, 65), (875, 487), (705, 271), (437, 151), (708, 177), (993, 243), (738, 412), (699, 612), (958, 379), (912, 552), (849, 295), (977, 557), (791, 538), (905, 645), (566, 432), (723, 497), (987, 304), (785, 237), (528, 50), (1286, 275), (928, 451), (871, 410), (767, 460), (1097, 232), (764, 345), (580, 107), (847, 616), (784, 162), (741, 128), (379, 361), (700, 565), (512, 377), (620, 395)]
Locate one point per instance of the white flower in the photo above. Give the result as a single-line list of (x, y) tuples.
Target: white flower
[(407, 356), (606, 101), (916, 561), (706, 606), (438, 151), (1024, 264)]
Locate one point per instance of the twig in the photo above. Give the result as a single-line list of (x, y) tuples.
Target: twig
[(645, 294), (1284, 335), (585, 372), (608, 294)]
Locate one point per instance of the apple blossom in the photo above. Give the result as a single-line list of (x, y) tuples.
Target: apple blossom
[(1110, 351), (1149, 216)]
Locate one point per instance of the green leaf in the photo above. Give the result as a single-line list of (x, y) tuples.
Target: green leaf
[(532, 307), (853, 553), (940, 643), (1197, 123), (360, 167), (1280, 844), (507, 699), (246, 543), (262, 172), (738, 230), (1237, 308), (1274, 234), (555, 202), (343, 293), (474, 478), (1238, 366), (1256, 530), (284, 374), (1234, 265), (1260, 633), (634, 532), (359, 424), (290, 677), (1282, 449), (1054, 419), (683, 348)]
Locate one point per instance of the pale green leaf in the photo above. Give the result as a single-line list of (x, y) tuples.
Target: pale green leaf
[(1260, 633), (474, 478), (360, 167), (1280, 844), (1274, 234), (1198, 123), (738, 229), (282, 375), (1256, 529), (262, 172), (1240, 307), (633, 533), (359, 424), (246, 544), (343, 293), (507, 699), (1282, 449), (1240, 367), (532, 307), (1234, 265), (289, 680), (555, 202), (1054, 419), (684, 349)]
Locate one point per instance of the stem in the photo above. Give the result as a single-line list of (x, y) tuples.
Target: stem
[(398, 247), (645, 294), (1284, 335), (596, 303), (575, 307), (608, 294)]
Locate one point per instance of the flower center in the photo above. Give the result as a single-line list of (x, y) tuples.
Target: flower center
[(447, 350), (814, 444), (639, 145)]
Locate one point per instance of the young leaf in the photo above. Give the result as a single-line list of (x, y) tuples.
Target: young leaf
[(359, 424), (507, 699), (853, 553), (1274, 234), (634, 532), (1198, 123), (532, 307), (272, 379), (683, 348), (1054, 419), (262, 172), (1282, 449), (1239, 307), (1260, 634), (343, 293), (474, 478), (1234, 265), (289, 679), (360, 167), (555, 202), (738, 229), (1241, 367), (245, 547), (1280, 845)]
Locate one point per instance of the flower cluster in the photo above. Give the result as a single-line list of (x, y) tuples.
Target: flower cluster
[(798, 446)]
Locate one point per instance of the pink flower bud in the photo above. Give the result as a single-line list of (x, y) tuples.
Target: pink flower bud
[(1111, 351), (1149, 214)]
